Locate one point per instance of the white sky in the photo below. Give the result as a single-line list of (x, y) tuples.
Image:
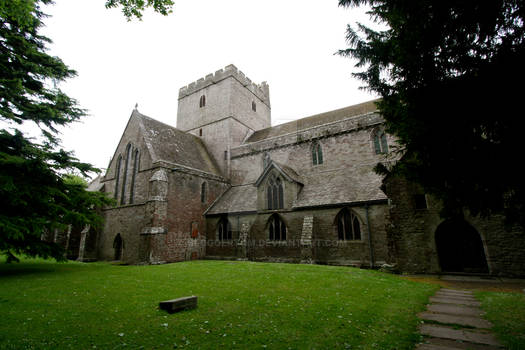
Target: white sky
[(288, 43)]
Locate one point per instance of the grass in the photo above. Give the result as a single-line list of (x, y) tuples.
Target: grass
[(506, 311), (242, 305)]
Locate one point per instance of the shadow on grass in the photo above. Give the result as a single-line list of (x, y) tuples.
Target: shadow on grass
[(40, 267)]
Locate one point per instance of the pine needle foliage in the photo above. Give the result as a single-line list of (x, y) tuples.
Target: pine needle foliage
[(449, 73), (36, 196)]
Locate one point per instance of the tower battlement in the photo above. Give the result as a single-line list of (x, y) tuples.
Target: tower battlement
[(262, 90)]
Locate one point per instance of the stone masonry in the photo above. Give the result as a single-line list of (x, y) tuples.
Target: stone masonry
[(225, 184)]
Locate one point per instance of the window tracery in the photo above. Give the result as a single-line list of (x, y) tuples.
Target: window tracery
[(348, 226)]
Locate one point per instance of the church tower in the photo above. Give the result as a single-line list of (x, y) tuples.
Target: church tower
[(223, 109)]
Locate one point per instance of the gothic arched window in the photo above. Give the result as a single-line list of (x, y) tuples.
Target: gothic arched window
[(274, 192), (317, 154), (224, 229), (117, 176), (276, 228), (134, 175), (202, 101), (125, 174), (203, 193), (380, 142), (348, 226)]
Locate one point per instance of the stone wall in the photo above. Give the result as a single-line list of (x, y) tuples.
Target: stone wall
[(186, 226), (127, 221), (311, 237), (341, 148), (412, 234), (227, 117), (229, 93)]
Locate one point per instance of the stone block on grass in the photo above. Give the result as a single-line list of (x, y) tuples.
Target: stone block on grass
[(180, 304)]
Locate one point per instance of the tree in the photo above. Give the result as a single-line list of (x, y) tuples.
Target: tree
[(36, 195), (135, 8), (445, 71)]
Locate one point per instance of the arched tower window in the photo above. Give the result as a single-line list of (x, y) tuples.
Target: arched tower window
[(348, 226), (224, 229), (275, 193), (317, 154), (380, 142), (117, 176), (136, 159), (276, 228), (202, 101), (125, 174), (203, 193), (254, 106)]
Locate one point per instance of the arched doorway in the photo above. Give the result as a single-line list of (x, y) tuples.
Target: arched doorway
[(118, 245), (460, 248)]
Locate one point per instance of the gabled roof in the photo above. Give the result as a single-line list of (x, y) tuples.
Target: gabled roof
[(236, 199), (287, 172), (167, 143), (312, 121), (95, 184), (354, 184)]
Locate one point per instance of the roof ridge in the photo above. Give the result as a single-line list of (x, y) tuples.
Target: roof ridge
[(297, 122)]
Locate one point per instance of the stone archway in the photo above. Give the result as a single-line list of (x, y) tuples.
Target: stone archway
[(118, 245), (460, 248)]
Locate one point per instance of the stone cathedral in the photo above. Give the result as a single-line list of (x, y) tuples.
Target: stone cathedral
[(225, 184)]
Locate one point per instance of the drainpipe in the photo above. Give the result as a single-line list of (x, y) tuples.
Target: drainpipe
[(369, 238)]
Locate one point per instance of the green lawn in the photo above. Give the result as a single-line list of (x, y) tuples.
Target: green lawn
[(242, 305), (507, 313)]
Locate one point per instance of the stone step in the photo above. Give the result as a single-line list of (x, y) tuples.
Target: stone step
[(456, 319), (447, 300), (455, 310), (454, 344), (472, 336), (454, 295), (434, 347), (456, 291)]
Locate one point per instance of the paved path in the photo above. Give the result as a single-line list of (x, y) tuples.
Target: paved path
[(453, 321)]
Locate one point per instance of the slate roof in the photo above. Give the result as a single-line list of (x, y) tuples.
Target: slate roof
[(284, 169), (341, 186), (236, 199), (167, 143), (95, 184), (312, 121), (335, 187)]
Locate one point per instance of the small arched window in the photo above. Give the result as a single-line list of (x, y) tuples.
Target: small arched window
[(254, 106), (224, 229), (202, 101), (117, 176), (136, 159), (317, 154), (276, 228), (203, 193), (380, 142), (275, 193), (348, 226)]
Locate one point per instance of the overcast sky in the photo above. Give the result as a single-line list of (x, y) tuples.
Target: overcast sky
[(290, 44)]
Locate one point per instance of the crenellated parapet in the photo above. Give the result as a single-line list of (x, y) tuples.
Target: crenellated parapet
[(262, 90)]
